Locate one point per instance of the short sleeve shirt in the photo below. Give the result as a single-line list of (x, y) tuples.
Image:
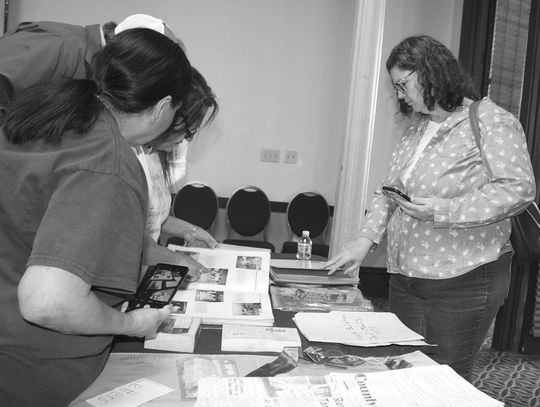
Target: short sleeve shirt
[(79, 205), (44, 51)]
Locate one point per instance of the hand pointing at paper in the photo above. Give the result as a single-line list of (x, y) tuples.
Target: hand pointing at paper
[(350, 257)]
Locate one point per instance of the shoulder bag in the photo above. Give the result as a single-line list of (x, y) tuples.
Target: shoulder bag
[(525, 236)]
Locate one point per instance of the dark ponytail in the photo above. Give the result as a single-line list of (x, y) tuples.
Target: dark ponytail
[(46, 112)]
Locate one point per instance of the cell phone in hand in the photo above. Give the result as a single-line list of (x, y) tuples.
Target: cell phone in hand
[(393, 191), (158, 286)]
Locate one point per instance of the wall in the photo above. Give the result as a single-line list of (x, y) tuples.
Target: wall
[(280, 69)]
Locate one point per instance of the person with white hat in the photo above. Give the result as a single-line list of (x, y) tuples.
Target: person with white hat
[(146, 21), (44, 52)]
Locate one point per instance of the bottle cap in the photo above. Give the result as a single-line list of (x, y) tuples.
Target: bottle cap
[(305, 232)]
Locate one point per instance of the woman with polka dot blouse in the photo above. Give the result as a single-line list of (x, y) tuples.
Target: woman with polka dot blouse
[(449, 252)]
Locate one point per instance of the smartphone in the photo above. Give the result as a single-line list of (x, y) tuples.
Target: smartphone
[(158, 286), (394, 191)]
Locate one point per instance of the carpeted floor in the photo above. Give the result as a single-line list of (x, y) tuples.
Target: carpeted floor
[(508, 377)]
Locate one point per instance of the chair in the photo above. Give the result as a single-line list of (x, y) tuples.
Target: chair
[(197, 204), (307, 211), (248, 212)]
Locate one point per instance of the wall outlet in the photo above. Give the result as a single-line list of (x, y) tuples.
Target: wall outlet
[(291, 157), (269, 155)]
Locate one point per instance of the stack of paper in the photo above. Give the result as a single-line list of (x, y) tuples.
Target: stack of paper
[(233, 290), (243, 338), (356, 328), (290, 271)]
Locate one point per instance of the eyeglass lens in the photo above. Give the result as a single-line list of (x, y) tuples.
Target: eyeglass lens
[(399, 86)]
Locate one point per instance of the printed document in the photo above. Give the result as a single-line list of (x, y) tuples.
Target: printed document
[(356, 328)]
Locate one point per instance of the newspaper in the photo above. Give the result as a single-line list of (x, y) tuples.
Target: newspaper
[(182, 372), (234, 289), (428, 386)]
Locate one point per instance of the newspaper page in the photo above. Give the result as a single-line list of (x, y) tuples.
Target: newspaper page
[(429, 386), (282, 391), (356, 328), (234, 289), (425, 386)]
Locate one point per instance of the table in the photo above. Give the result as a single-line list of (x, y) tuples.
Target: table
[(129, 361), (210, 342)]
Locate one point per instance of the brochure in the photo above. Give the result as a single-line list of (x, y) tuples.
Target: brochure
[(244, 338), (176, 334)]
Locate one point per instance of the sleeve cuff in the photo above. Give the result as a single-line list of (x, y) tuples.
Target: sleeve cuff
[(441, 215)]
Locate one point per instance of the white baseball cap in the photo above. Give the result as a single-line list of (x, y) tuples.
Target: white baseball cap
[(146, 21)]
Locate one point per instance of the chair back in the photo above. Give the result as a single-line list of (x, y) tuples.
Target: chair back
[(248, 211), (308, 211), (196, 203)]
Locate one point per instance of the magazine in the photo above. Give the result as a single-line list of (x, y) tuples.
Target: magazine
[(302, 297), (233, 290)]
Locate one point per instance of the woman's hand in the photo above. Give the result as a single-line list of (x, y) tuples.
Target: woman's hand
[(198, 237), (420, 208), (351, 256), (146, 321), (195, 268)]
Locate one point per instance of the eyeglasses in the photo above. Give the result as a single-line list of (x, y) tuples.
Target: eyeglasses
[(399, 86), (180, 124), (190, 132)]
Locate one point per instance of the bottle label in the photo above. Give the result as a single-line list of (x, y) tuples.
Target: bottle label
[(304, 251)]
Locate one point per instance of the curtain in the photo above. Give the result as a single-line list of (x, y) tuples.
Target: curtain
[(509, 53)]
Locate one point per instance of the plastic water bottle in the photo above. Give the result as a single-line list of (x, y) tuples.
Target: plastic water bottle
[(304, 246)]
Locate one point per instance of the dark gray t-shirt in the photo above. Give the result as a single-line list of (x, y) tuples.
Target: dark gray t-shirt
[(79, 206)]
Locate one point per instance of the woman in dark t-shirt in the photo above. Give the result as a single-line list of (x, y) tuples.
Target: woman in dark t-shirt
[(74, 201)]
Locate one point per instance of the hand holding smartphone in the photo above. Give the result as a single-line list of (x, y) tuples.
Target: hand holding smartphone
[(394, 192), (158, 286)]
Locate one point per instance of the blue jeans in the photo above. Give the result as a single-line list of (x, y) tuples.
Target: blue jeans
[(454, 314)]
